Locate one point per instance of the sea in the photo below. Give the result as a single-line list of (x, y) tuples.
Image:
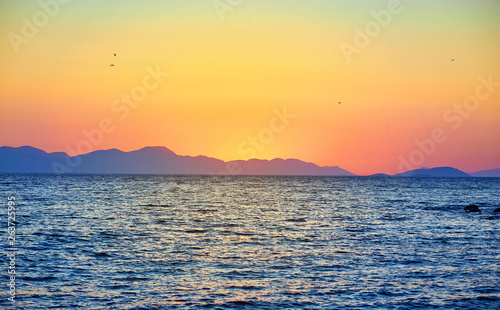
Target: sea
[(248, 242)]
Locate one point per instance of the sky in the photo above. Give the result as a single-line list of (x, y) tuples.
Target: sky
[(370, 86)]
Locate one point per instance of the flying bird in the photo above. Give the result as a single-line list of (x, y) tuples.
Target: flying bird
[(340, 102), (453, 59), (111, 65), (114, 54)]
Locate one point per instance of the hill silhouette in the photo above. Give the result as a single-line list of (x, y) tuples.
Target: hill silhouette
[(448, 172), (150, 160), (161, 160)]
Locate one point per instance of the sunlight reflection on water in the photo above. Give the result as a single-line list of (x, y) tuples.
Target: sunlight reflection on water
[(227, 242)]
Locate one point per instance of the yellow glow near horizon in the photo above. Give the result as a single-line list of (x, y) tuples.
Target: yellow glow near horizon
[(227, 77)]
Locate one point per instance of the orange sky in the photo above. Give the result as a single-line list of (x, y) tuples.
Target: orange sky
[(229, 71)]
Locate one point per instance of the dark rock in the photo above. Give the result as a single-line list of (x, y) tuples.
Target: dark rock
[(472, 208), (496, 210)]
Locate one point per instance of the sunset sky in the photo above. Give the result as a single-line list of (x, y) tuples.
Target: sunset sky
[(231, 67)]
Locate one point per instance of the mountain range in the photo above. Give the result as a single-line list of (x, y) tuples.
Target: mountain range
[(161, 160), (150, 160)]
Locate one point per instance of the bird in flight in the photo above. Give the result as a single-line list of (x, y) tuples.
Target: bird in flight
[(453, 59), (114, 54), (340, 102), (111, 65)]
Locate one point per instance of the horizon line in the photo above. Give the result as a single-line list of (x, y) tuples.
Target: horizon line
[(244, 160)]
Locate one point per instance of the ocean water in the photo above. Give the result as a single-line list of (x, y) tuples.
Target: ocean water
[(249, 242)]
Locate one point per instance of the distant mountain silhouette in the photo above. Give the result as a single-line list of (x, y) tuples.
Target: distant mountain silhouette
[(161, 160), (280, 166), (487, 173), (28, 159), (380, 175), (150, 160), (448, 172)]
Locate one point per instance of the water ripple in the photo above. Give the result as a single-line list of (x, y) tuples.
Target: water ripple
[(234, 242)]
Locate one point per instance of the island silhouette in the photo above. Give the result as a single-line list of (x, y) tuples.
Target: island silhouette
[(161, 160)]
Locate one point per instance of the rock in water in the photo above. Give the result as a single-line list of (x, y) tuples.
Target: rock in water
[(496, 210), (472, 208)]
